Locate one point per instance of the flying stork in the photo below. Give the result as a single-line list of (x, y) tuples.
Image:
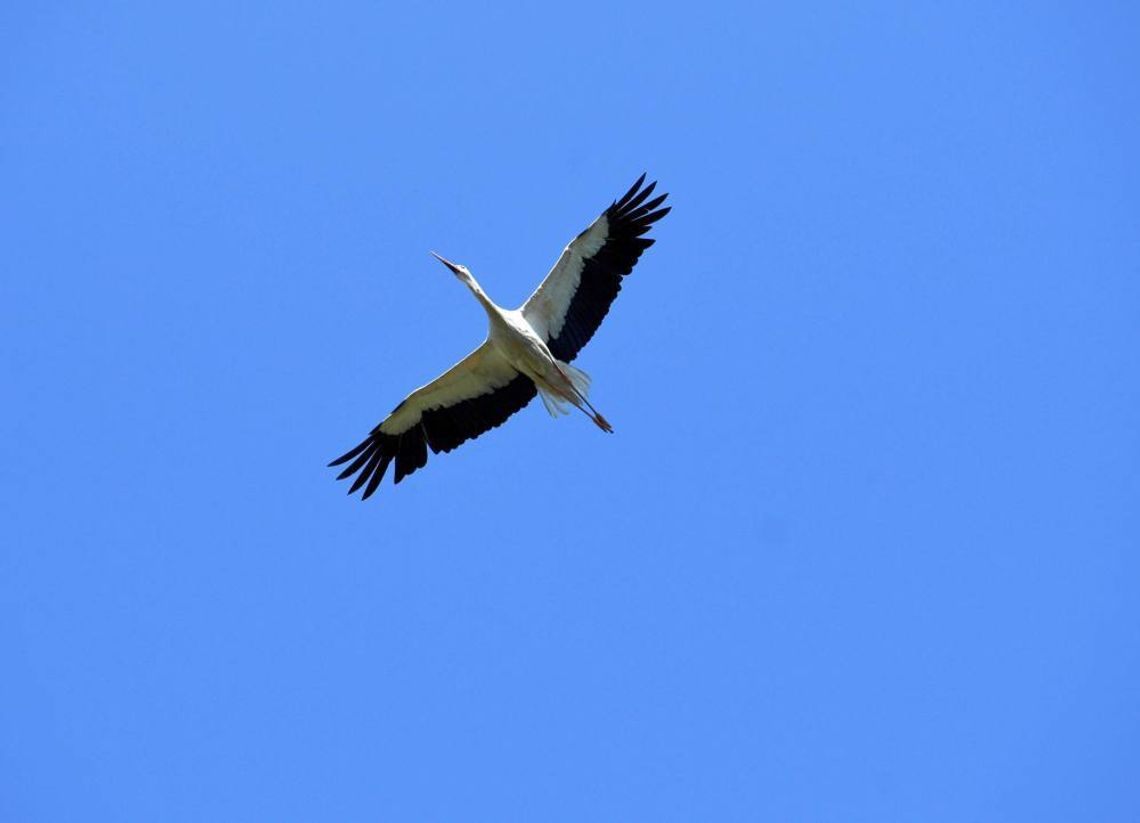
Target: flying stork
[(527, 351)]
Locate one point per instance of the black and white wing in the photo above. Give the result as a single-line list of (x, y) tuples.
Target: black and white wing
[(476, 394), (572, 301)]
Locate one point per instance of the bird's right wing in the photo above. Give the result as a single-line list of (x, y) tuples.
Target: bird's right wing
[(476, 394), (575, 297)]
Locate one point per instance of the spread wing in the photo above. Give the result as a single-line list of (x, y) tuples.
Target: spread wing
[(476, 394), (572, 301)]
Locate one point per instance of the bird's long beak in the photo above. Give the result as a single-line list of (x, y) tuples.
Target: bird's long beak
[(446, 262)]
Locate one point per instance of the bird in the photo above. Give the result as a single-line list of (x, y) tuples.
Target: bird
[(527, 351)]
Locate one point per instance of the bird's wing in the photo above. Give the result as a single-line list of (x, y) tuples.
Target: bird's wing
[(476, 394), (572, 301)]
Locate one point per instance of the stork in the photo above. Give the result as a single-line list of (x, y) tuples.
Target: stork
[(527, 351)]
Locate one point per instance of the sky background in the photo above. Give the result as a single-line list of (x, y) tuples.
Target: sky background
[(864, 546)]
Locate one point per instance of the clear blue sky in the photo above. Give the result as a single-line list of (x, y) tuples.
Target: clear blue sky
[(864, 546)]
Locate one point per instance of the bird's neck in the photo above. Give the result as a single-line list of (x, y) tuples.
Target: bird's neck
[(480, 295)]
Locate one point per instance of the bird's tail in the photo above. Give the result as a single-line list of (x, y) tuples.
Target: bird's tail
[(556, 404), (578, 379), (559, 404)]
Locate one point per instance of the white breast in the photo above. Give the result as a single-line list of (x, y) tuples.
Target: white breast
[(523, 347)]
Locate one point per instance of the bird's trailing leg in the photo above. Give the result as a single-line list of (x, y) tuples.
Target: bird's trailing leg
[(594, 414), (601, 422), (579, 384)]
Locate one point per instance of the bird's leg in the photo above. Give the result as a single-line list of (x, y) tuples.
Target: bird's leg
[(574, 396), (593, 414)]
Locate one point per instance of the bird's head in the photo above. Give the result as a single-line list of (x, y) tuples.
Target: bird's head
[(459, 271)]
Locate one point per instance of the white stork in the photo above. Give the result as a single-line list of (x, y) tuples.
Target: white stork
[(527, 350)]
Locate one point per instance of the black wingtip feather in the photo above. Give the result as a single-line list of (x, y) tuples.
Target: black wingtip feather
[(348, 455), (374, 483), (356, 465), (367, 471), (632, 189), (652, 204), (640, 198)]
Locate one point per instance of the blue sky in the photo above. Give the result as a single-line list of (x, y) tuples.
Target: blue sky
[(864, 543)]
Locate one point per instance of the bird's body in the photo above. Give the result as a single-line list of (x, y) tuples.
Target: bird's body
[(513, 335), (527, 350)]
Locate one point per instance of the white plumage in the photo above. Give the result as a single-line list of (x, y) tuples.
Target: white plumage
[(527, 350)]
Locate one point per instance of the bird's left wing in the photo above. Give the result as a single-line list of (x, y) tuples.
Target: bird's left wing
[(476, 394), (575, 297)]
